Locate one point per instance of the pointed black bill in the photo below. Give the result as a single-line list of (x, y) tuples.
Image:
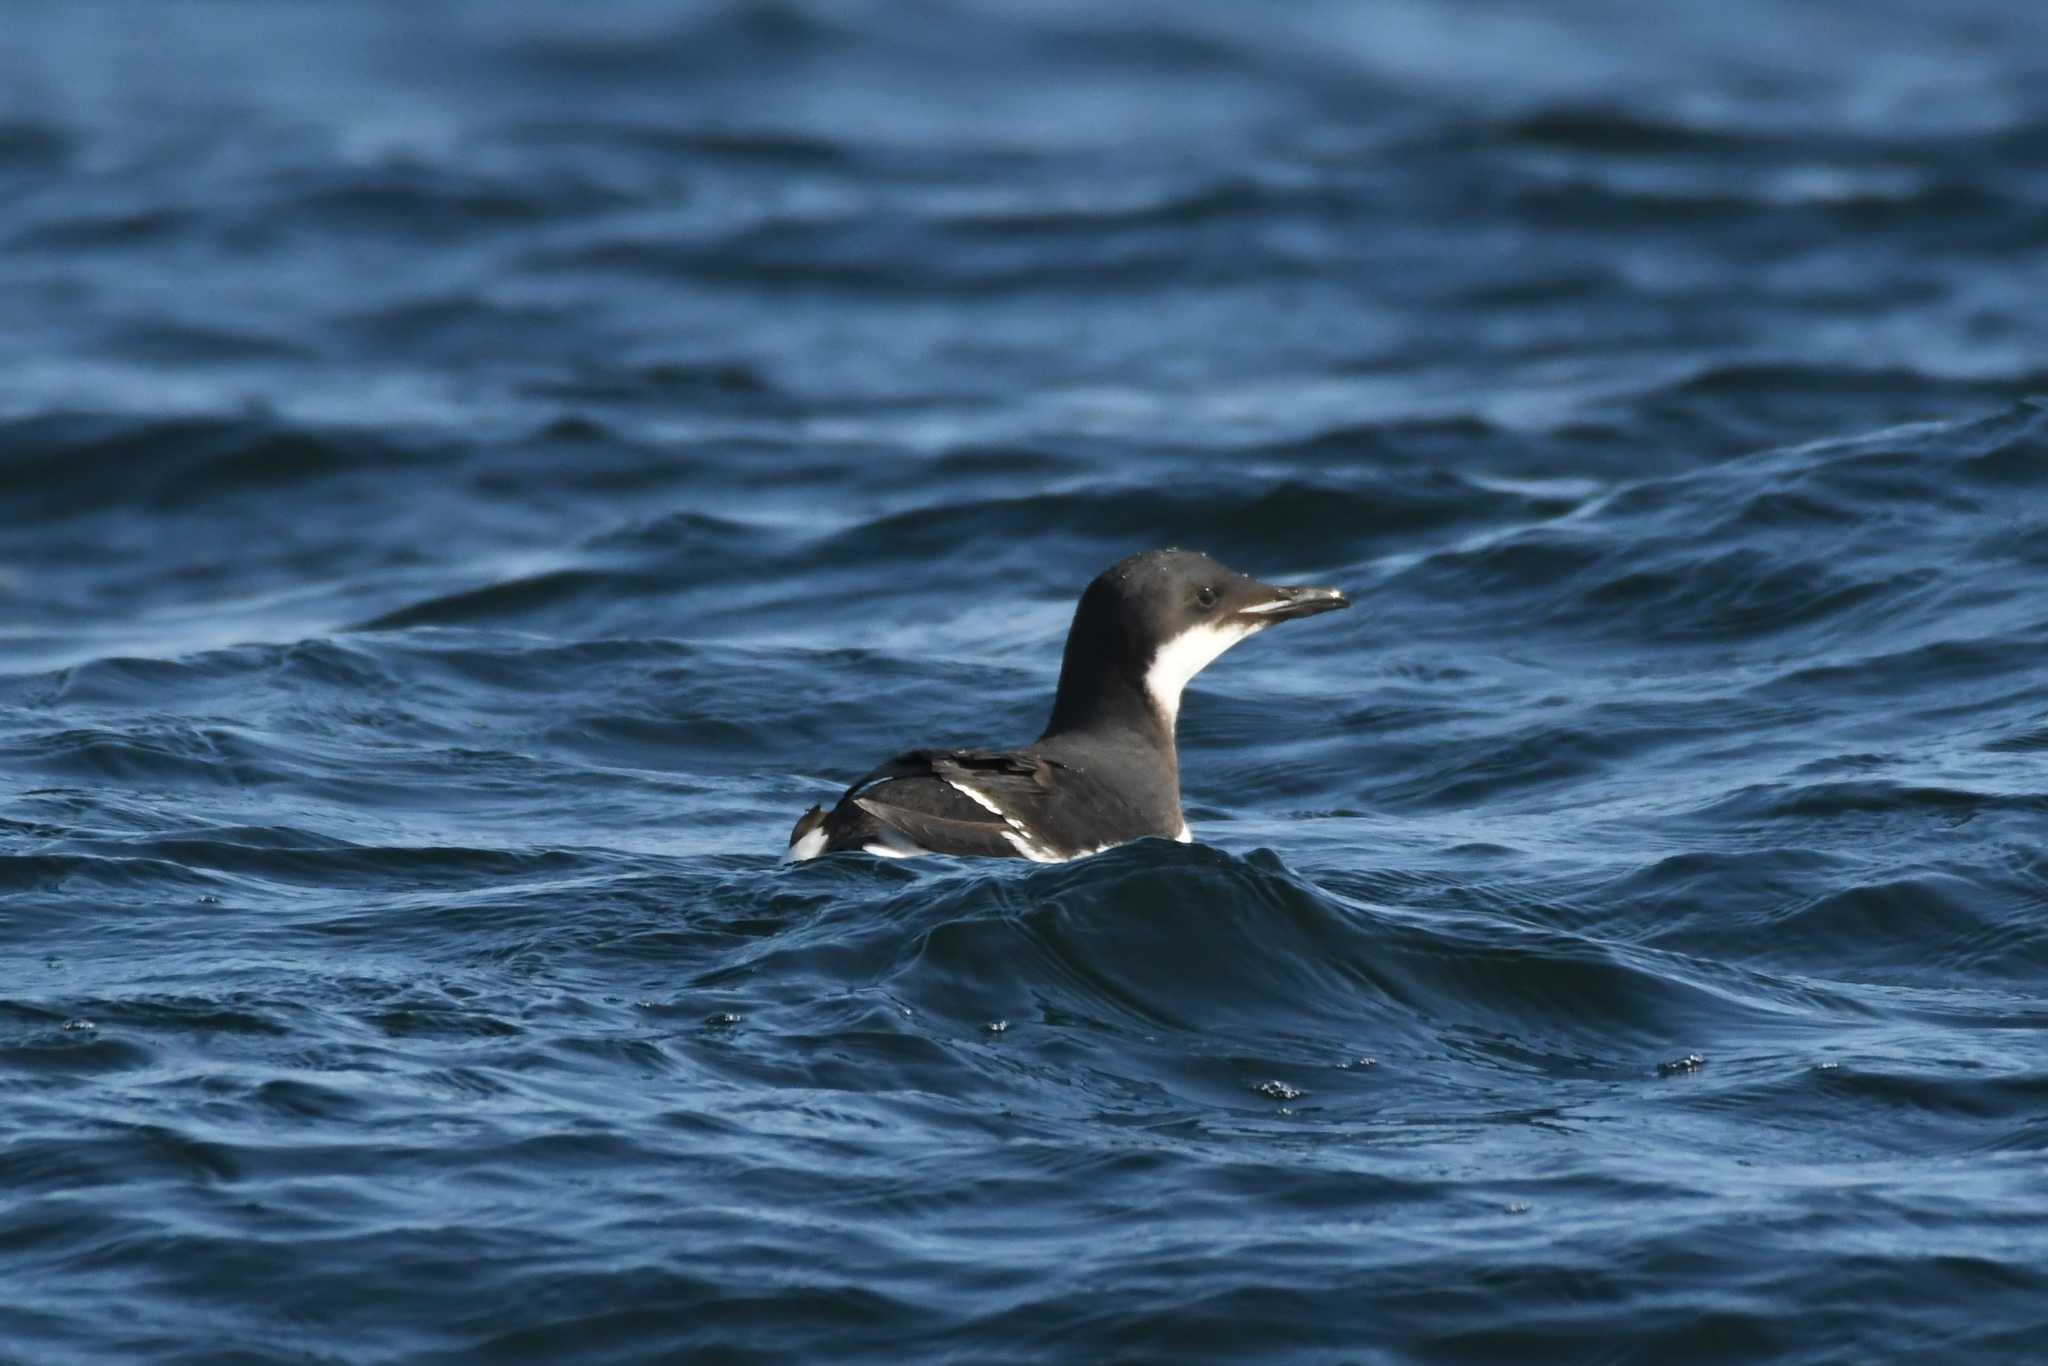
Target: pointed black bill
[(1285, 604)]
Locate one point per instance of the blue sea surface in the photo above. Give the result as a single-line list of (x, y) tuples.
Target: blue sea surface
[(472, 473)]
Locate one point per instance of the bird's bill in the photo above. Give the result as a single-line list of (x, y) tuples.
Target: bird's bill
[(1272, 603)]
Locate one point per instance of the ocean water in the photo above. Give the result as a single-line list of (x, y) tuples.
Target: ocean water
[(471, 474)]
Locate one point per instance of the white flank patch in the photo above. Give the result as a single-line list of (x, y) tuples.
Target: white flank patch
[(1186, 655), (1186, 836), (809, 847), (894, 844), (1032, 849)]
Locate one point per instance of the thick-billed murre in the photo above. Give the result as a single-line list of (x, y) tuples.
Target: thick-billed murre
[(1105, 772)]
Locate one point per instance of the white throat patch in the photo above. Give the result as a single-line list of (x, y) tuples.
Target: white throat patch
[(1186, 655)]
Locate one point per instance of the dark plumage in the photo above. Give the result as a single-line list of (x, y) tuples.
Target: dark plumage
[(1105, 772)]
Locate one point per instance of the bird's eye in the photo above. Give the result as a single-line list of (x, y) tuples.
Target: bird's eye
[(1206, 596)]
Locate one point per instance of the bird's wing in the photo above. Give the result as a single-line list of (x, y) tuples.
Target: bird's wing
[(963, 801), (1013, 786), (915, 763), (988, 837)]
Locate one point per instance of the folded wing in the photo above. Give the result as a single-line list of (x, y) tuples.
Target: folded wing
[(967, 802)]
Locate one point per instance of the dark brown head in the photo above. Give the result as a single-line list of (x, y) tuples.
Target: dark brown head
[(1150, 623)]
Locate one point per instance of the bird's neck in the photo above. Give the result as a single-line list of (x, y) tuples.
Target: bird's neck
[(1105, 690), (1113, 729), (1110, 706)]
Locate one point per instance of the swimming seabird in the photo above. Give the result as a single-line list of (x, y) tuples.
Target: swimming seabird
[(1105, 772)]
